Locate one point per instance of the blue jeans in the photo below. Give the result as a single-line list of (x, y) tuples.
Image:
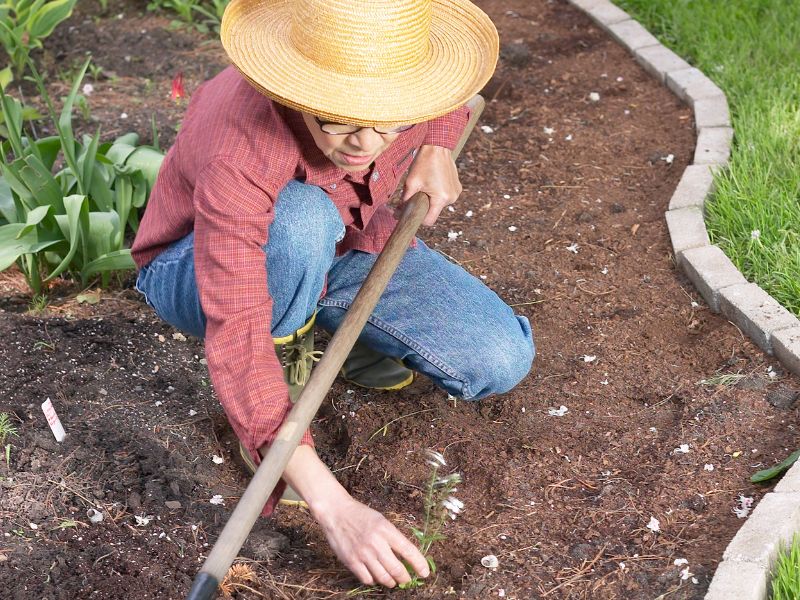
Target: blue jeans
[(434, 316)]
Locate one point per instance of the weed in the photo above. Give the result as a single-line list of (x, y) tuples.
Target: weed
[(38, 304), (723, 379), (7, 429)]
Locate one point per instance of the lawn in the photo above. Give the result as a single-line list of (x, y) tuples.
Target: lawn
[(752, 51)]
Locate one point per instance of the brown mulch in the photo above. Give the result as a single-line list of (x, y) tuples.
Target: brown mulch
[(565, 198)]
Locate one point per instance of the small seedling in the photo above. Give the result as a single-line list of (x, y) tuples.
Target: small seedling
[(6, 430), (439, 505), (38, 304)]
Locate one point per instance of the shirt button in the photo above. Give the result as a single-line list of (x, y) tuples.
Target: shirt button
[(333, 186), (376, 176)]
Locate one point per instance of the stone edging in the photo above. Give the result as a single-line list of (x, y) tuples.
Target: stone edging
[(744, 573)]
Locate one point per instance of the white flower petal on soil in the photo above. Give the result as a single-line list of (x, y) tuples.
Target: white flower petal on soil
[(512, 228), (435, 459), (217, 460), (549, 131), (685, 574), (558, 412), (88, 89), (744, 508), (708, 467), (123, 116), (217, 499), (452, 235), (604, 271), (469, 213), (33, 525), (669, 158), (682, 449), (573, 248), (594, 96), (680, 561), (654, 525), (486, 129), (179, 336), (192, 412), (589, 358), (568, 138), (490, 561), (142, 520)]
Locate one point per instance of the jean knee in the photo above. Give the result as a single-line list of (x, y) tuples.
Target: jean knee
[(507, 360), (307, 224)]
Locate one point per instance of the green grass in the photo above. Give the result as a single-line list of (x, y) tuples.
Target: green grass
[(750, 49), (786, 575)]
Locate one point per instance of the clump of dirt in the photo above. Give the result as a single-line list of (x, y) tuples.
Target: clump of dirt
[(624, 419)]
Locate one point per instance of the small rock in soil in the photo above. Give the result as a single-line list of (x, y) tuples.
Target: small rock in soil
[(582, 552), (172, 504), (783, 397), (264, 544), (517, 54)]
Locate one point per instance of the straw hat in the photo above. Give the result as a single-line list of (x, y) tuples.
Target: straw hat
[(363, 62)]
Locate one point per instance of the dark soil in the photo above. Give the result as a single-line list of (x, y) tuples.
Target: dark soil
[(624, 342)]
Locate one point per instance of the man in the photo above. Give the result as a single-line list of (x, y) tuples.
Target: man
[(270, 208)]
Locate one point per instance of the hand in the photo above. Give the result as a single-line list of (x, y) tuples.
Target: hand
[(433, 172), (369, 545)]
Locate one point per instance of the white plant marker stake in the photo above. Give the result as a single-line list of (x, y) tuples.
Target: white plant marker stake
[(52, 419)]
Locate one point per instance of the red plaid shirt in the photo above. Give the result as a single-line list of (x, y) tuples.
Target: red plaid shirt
[(235, 151)]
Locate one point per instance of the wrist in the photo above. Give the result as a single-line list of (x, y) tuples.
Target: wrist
[(312, 479)]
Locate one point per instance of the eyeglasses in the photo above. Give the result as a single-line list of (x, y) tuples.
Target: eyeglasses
[(334, 128)]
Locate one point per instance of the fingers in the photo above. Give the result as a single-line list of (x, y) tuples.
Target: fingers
[(380, 574), (401, 545)]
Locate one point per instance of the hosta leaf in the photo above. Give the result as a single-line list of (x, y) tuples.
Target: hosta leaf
[(44, 20), (768, 474)]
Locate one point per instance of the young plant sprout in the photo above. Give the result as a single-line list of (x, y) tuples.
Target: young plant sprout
[(439, 504)]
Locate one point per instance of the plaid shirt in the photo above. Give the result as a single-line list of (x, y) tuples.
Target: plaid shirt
[(235, 151)]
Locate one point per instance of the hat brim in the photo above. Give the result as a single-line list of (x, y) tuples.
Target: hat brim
[(462, 55)]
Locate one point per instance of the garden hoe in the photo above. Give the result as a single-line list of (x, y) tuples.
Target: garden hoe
[(299, 419)]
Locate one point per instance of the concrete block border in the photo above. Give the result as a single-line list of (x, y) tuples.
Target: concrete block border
[(744, 573)]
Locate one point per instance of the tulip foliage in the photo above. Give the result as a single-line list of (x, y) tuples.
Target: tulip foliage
[(67, 205)]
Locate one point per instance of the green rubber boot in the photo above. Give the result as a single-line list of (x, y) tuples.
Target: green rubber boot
[(297, 356), (368, 368)]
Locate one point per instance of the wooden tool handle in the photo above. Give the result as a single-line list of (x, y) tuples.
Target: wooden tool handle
[(299, 418)]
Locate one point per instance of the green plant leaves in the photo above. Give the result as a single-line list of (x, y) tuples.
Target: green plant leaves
[(76, 219), (767, 474)]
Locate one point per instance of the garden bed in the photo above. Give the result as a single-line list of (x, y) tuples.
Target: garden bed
[(566, 198)]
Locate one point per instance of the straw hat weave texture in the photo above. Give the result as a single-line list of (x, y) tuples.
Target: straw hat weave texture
[(363, 62)]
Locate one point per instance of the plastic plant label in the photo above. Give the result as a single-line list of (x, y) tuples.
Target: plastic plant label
[(52, 419)]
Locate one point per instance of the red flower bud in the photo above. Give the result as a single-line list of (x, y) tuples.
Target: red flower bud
[(177, 87)]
